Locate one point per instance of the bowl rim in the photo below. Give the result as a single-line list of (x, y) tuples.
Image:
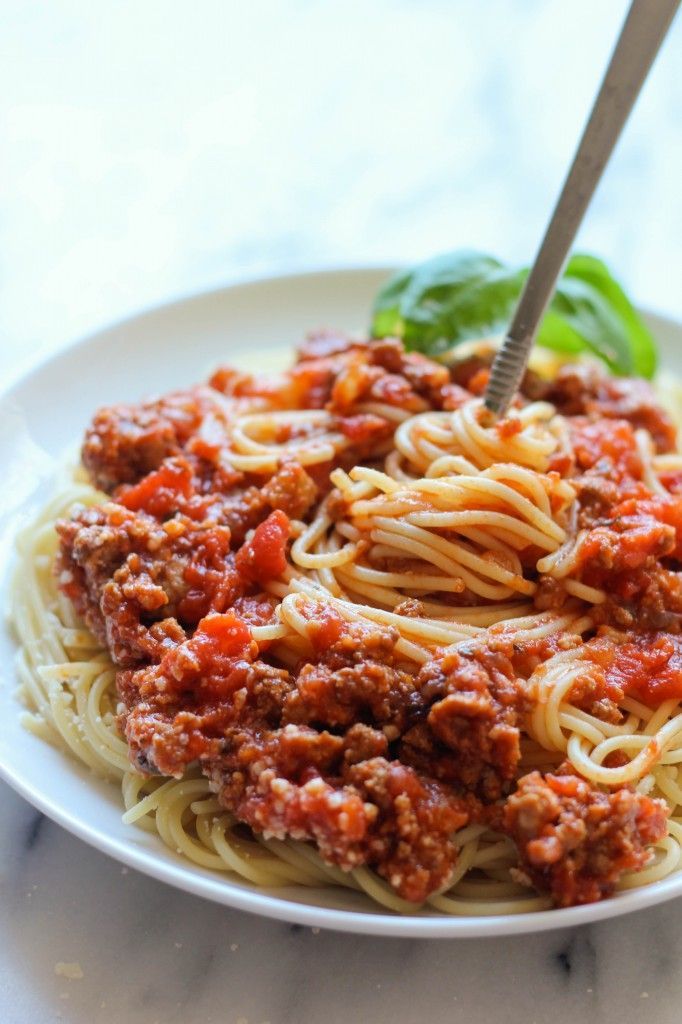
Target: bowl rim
[(188, 877)]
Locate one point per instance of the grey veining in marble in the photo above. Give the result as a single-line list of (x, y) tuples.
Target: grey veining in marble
[(149, 954), (150, 149)]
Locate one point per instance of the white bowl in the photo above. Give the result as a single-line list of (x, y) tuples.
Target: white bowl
[(170, 347)]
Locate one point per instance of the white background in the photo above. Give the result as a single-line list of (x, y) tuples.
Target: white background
[(152, 148)]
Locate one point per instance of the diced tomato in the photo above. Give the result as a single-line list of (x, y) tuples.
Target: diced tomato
[(325, 628), (509, 426), (624, 543), (648, 667), (264, 556), (365, 428), (219, 648), (479, 382), (606, 439), (226, 634), (214, 659), (158, 492), (664, 508)]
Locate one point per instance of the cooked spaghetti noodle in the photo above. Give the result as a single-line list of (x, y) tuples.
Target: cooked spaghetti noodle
[(337, 627)]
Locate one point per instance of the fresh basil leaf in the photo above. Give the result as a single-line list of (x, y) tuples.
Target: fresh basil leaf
[(583, 308), (482, 308), (559, 336), (446, 300), (386, 313), (468, 295), (641, 342)]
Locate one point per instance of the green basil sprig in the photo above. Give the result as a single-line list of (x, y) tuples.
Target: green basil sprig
[(466, 295)]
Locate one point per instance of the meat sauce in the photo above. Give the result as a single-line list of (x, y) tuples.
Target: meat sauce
[(576, 841), (350, 748), (646, 666), (633, 544)]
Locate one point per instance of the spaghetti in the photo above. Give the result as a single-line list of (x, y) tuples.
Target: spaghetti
[(337, 627)]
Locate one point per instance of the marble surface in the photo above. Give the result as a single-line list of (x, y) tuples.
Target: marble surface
[(149, 955), (152, 149)]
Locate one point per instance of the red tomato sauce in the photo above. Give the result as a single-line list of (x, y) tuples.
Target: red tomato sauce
[(611, 440), (647, 667)]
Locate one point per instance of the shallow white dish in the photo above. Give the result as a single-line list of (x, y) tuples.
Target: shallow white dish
[(257, 324)]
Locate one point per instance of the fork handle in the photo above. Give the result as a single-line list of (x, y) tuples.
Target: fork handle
[(643, 32)]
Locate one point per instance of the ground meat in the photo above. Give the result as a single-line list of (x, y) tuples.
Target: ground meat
[(256, 609), (136, 582), (524, 655), (183, 484), (183, 709), (242, 511), (362, 742), (574, 840), (648, 598), (337, 506), (598, 695), (125, 442), (355, 678), (469, 374), (469, 733), (454, 397), (585, 390), (360, 380), (633, 545), (273, 781), (172, 451), (410, 608), (378, 812), (464, 371), (423, 374), (596, 496), (627, 556), (410, 838), (339, 374), (549, 594), (179, 486), (290, 490), (212, 700)]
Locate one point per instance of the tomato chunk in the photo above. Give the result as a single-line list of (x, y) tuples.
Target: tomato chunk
[(263, 557)]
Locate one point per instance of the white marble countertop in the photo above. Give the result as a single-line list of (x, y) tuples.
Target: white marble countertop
[(154, 149), (150, 955)]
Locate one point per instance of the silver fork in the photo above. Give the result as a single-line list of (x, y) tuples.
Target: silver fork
[(643, 32)]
